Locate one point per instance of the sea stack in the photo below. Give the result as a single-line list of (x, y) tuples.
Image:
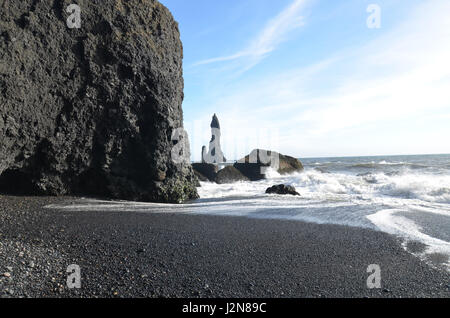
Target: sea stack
[(91, 110), (215, 154)]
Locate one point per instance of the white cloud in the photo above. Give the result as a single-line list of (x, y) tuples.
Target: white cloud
[(274, 33)]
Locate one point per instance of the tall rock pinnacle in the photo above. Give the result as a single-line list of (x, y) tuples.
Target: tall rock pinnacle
[(215, 154), (215, 122)]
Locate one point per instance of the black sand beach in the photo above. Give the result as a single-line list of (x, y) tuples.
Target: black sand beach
[(168, 255)]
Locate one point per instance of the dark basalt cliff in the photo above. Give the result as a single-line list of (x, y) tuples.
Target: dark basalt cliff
[(91, 110)]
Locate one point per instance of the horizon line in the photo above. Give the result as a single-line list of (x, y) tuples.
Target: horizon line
[(365, 156)]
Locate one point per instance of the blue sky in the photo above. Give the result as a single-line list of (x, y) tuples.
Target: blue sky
[(309, 78)]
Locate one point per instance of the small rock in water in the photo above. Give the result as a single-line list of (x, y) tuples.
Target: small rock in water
[(7, 274), (282, 189)]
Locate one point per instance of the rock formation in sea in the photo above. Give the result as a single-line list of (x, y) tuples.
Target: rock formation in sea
[(203, 154), (283, 190), (252, 167), (229, 175), (215, 153), (91, 110), (205, 171), (256, 164)]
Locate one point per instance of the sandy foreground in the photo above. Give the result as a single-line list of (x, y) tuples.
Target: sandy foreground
[(127, 254)]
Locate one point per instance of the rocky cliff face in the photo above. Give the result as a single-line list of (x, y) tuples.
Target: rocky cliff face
[(91, 110)]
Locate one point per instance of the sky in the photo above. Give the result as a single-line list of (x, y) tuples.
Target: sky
[(317, 78)]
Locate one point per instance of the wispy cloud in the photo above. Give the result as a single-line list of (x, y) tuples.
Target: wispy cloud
[(274, 33)]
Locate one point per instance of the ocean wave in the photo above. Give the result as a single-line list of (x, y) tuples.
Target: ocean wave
[(429, 188), (314, 184), (382, 165), (426, 187)]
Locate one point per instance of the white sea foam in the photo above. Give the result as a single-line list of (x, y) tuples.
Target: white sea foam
[(340, 186), (390, 222)]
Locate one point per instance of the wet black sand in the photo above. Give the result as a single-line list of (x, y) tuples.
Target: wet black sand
[(168, 255)]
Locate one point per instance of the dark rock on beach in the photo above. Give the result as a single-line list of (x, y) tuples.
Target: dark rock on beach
[(229, 175), (282, 189), (252, 166), (91, 110)]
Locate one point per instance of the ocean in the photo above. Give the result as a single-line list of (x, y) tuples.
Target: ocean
[(407, 196)]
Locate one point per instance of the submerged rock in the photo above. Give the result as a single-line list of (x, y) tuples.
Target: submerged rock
[(368, 177), (321, 170), (282, 189), (91, 110), (255, 165)]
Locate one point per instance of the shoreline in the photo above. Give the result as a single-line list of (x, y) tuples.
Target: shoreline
[(180, 255)]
